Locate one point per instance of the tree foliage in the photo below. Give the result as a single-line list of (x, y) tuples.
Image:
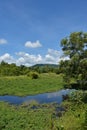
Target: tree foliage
[(14, 70), (75, 47)]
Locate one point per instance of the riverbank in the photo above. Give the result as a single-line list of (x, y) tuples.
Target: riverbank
[(34, 116), (24, 85)]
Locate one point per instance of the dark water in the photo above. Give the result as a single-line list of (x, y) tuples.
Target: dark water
[(41, 98)]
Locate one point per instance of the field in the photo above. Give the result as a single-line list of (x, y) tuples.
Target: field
[(24, 118), (35, 116), (23, 85), (41, 117)]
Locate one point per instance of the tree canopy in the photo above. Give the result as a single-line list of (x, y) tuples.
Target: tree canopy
[(75, 47)]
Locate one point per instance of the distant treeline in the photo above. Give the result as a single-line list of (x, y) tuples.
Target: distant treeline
[(14, 70)]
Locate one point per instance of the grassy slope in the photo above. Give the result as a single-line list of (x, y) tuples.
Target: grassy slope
[(26, 86), (73, 118), (24, 118)]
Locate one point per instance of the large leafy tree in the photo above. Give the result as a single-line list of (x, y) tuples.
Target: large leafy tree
[(75, 47)]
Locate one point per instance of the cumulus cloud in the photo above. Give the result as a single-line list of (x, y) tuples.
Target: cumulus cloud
[(64, 58), (30, 44), (53, 52), (49, 58), (27, 59), (3, 41), (7, 58), (52, 56), (22, 58)]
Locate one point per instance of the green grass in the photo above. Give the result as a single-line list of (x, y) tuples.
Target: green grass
[(23, 85), (25, 118), (41, 118), (73, 118)]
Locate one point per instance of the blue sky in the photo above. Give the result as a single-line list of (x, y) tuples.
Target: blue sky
[(31, 30)]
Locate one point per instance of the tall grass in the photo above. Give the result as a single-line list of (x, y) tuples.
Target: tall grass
[(23, 85)]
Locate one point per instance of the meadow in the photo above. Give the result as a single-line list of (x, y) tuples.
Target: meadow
[(24, 85), (35, 116)]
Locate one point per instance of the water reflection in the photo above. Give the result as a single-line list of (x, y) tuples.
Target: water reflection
[(41, 98)]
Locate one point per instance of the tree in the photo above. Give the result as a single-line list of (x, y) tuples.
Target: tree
[(75, 47)]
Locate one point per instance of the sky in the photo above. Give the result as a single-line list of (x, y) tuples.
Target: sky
[(31, 30)]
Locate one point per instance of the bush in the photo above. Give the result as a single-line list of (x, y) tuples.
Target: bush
[(34, 75), (84, 99), (28, 74), (84, 124), (78, 96)]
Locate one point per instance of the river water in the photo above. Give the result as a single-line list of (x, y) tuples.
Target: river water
[(40, 98)]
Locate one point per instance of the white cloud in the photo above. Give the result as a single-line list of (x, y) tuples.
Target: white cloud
[(49, 58), (52, 56), (27, 59), (30, 44), (7, 58), (22, 58), (53, 52), (3, 41), (65, 58)]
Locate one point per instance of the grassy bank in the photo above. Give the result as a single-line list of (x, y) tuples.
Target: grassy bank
[(41, 117), (73, 118), (24, 118), (33, 116), (23, 85)]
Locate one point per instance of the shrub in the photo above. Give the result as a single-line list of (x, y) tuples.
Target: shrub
[(78, 96), (28, 74), (85, 122), (34, 75)]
